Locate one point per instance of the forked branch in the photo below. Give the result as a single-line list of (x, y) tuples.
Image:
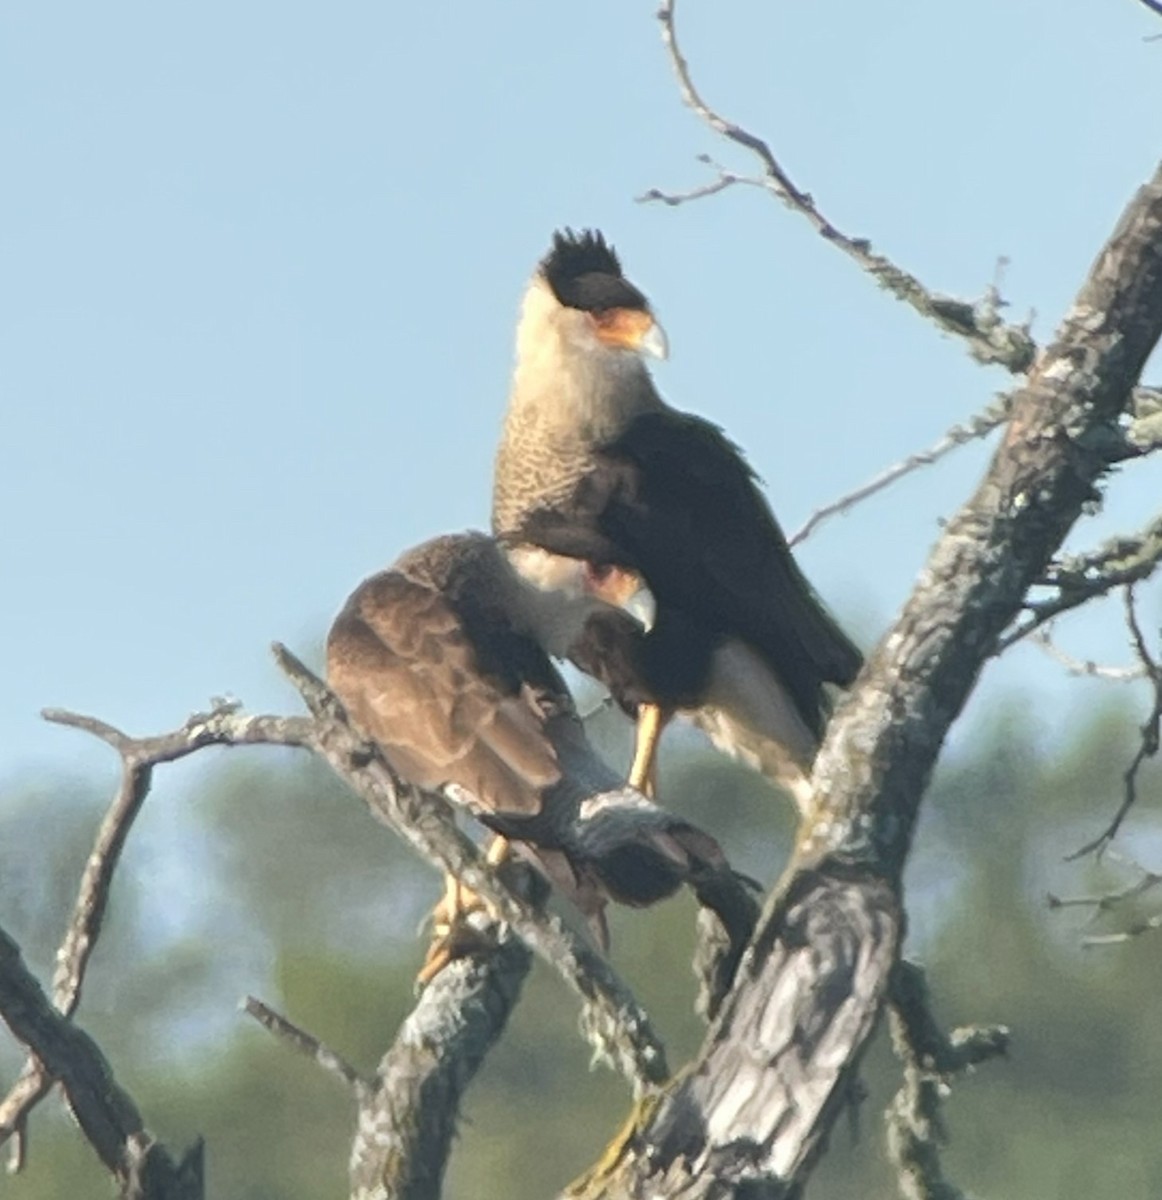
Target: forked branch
[(142, 1167), (990, 339), (930, 1059), (616, 1026), (750, 1115)]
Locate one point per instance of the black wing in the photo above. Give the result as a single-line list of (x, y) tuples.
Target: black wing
[(673, 498)]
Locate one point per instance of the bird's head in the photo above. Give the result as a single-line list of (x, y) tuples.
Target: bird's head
[(593, 306), (558, 594)]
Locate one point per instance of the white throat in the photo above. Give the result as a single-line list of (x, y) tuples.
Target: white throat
[(554, 600), (565, 376)]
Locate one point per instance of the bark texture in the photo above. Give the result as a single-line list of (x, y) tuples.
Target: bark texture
[(105, 1112), (408, 1117), (750, 1115)]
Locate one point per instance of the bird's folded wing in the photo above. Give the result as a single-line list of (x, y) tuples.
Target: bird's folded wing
[(402, 661), (679, 497)]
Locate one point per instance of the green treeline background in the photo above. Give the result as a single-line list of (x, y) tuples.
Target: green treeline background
[(283, 886)]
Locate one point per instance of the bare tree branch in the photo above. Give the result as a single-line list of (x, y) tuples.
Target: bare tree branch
[(1112, 902), (618, 1029), (1148, 742), (750, 1115), (1043, 638), (1147, 925), (138, 757), (990, 339), (1142, 436), (616, 1026), (930, 1058), (305, 1044), (409, 1111), (1079, 578), (1109, 901), (407, 1120), (105, 1112), (975, 427)]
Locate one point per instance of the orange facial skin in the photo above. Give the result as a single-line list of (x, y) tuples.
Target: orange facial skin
[(622, 327)]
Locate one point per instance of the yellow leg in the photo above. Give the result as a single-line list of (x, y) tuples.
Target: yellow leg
[(450, 937), (643, 775), (451, 904)]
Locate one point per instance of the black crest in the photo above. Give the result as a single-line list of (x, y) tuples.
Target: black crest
[(584, 272)]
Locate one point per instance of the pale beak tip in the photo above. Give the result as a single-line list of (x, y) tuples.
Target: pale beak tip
[(654, 342), (642, 607)]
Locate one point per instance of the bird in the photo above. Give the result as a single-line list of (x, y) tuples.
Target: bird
[(594, 465), (439, 661)]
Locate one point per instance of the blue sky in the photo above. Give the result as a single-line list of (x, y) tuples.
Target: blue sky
[(259, 267)]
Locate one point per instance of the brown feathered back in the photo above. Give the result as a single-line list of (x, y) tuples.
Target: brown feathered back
[(446, 703), (432, 661)]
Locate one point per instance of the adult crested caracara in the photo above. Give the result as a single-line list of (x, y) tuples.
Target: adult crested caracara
[(594, 465), (439, 659)]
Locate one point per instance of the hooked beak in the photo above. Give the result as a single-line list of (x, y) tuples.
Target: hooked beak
[(631, 329), (624, 589), (642, 606), (654, 342)]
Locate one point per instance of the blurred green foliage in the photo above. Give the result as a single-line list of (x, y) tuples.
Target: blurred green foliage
[(261, 874)]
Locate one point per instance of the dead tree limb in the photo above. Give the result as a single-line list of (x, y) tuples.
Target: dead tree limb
[(138, 758), (436, 1054), (468, 1008), (105, 1112), (750, 1115), (978, 426), (408, 1111), (1076, 579), (1149, 734), (990, 339), (931, 1058)]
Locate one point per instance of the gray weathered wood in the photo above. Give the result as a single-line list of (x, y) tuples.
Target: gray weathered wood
[(749, 1117)]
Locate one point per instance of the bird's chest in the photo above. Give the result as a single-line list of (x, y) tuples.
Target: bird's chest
[(536, 470)]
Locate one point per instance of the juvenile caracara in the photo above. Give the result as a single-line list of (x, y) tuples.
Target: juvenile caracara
[(439, 659), (594, 465)]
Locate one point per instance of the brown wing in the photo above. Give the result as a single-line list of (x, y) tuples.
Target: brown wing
[(402, 661)]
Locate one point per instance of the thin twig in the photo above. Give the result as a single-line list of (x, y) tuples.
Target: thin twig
[(1146, 925), (726, 179), (306, 1044), (1143, 436), (1150, 735), (1043, 638), (990, 339), (1109, 901), (618, 1028), (105, 1112), (976, 427), (930, 1057), (1080, 578)]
